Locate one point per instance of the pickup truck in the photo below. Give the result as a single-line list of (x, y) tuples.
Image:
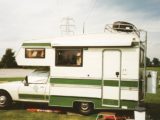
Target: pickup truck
[(34, 88), (37, 87)]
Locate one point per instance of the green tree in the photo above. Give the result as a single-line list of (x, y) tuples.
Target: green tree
[(156, 62), (8, 59), (148, 62)]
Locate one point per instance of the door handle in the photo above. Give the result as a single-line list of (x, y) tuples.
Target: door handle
[(117, 74)]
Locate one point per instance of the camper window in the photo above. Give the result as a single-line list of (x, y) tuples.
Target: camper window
[(34, 53), (68, 57)]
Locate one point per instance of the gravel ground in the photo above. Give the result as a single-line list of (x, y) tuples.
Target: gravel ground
[(6, 73)]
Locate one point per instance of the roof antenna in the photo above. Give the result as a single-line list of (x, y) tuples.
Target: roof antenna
[(83, 27)]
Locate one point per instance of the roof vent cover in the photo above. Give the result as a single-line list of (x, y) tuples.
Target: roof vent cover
[(123, 26)]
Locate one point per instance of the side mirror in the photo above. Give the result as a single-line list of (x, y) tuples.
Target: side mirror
[(26, 81)]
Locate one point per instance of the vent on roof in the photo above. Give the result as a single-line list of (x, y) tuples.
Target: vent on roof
[(123, 26)]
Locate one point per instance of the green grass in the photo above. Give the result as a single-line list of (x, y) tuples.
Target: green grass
[(25, 115), (154, 98), (152, 101)]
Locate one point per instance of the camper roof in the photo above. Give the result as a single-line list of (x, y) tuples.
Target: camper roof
[(119, 39)]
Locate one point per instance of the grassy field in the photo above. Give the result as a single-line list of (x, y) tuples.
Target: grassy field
[(19, 112), (24, 115), (152, 101), (154, 98)]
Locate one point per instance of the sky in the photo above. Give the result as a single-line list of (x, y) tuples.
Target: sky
[(34, 19)]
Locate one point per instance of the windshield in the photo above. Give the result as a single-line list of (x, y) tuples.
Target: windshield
[(38, 77)]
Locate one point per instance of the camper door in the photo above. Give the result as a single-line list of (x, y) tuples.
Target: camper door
[(111, 78)]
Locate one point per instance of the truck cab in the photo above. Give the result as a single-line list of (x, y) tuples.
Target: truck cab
[(34, 88)]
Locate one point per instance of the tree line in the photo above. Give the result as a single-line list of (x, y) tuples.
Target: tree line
[(8, 60), (152, 63)]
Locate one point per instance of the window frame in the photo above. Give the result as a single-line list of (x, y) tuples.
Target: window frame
[(56, 59), (35, 57)]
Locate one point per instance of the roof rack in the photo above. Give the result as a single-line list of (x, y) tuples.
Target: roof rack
[(121, 26)]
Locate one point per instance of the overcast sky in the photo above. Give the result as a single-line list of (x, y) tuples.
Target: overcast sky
[(32, 19)]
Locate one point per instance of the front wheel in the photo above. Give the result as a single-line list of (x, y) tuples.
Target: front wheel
[(85, 108), (5, 100)]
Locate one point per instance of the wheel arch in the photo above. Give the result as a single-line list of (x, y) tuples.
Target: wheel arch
[(6, 92), (87, 109), (76, 102)]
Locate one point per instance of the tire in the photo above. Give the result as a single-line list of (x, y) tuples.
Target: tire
[(85, 108), (5, 100)]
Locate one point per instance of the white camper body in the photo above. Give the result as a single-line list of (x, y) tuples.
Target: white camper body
[(104, 70), (109, 72)]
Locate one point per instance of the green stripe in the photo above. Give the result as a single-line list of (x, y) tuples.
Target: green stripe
[(111, 83), (36, 44), (129, 83), (93, 82), (75, 81), (110, 102), (11, 79), (31, 96), (67, 101)]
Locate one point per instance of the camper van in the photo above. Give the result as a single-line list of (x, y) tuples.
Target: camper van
[(86, 72)]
